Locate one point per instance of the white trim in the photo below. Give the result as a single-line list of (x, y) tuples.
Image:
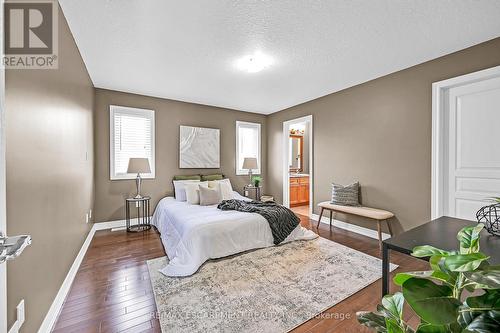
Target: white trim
[(242, 172), (55, 308), (3, 202), (109, 225), (15, 327), (286, 178), (351, 227), (438, 151), (20, 318), (135, 111)]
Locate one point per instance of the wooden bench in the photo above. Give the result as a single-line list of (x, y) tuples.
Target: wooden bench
[(376, 214)]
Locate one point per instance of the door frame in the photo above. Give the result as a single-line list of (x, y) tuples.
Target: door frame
[(439, 139), (285, 153), (3, 204)]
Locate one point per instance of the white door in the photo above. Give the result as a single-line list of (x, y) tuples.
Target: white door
[(472, 155)]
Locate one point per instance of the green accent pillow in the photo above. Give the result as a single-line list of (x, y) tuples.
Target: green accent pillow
[(188, 177), (211, 177)]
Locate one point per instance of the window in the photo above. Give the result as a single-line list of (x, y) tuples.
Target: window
[(247, 145), (132, 134)]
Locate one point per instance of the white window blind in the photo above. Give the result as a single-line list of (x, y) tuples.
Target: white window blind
[(247, 145), (131, 135)]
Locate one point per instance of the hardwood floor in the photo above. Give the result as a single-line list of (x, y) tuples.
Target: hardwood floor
[(112, 291), (301, 210)]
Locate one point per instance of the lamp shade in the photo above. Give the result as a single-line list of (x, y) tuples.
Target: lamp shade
[(138, 165), (250, 163)]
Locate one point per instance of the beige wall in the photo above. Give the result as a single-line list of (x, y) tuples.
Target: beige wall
[(49, 175), (378, 133), (169, 115)]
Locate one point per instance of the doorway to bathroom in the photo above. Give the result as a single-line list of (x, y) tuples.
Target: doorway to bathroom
[(298, 165)]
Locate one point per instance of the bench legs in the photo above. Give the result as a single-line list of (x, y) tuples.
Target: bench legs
[(379, 230), (320, 215), (379, 225)]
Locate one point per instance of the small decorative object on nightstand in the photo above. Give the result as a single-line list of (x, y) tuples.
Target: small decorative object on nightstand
[(138, 166), (143, 210), (267, 198), (256, 189)]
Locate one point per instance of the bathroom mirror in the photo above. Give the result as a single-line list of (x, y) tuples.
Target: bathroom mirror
[(296, 147)]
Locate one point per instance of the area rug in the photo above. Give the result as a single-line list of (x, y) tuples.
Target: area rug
[(267, 290)]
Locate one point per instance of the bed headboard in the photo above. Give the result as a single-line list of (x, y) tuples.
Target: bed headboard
[(215, 176)]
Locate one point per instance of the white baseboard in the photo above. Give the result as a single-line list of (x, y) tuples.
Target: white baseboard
[(55, 308), (110, 225), (351, 227)]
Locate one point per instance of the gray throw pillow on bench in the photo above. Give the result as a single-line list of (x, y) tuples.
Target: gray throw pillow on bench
[(345, 195)]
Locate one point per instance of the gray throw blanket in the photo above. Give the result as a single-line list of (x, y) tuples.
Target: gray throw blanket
[(281, 219)]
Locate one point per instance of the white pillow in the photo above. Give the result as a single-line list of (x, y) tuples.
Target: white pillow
[(224, 187), (225, 190), (180, 188), (215, 183), (209, 196), (227, 182), (193, 192)]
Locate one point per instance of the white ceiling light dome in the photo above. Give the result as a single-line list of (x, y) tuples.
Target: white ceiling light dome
[(254, 63)]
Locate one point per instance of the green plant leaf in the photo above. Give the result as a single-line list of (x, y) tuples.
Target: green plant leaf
[(486, 322), (464, 262), (490, 300), (393, 326), (428, 251), (434, 262), (431, 302), (394, 304), (487, 279), (469, 238), (384, 312), (400, 278), (437, 264), (465, 316), (429, 328), (372, 320)]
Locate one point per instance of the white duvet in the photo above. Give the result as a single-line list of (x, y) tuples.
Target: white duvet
[(192, 234)]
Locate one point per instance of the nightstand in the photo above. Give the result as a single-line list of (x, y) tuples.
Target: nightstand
[(250, 188), (143, 210)]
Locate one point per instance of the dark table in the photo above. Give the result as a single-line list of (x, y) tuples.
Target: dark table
[(143, 214), (440, 233)]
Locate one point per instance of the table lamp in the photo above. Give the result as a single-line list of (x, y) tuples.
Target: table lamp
[(250, 163), (138, 165)]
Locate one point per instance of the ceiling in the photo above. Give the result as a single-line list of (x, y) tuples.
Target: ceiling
[(189, 50)]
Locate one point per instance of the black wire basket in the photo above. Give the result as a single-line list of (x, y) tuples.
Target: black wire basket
[(490, 217)]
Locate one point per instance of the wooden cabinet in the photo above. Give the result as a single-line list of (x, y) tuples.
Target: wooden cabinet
[(299, 191)]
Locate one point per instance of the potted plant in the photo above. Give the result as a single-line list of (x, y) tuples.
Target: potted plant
[(256, 180), (459, 293)]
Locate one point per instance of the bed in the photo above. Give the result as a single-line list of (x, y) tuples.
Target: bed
[(193, 234)]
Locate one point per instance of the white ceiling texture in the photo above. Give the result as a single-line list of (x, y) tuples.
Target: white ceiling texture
[(266, 55)]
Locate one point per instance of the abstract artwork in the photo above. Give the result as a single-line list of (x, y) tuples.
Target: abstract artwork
[(199, 148)]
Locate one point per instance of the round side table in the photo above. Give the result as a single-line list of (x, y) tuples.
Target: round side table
[(143, 211), (248, 188)]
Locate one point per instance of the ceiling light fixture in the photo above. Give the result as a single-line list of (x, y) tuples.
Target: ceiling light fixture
[(254, 63)]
